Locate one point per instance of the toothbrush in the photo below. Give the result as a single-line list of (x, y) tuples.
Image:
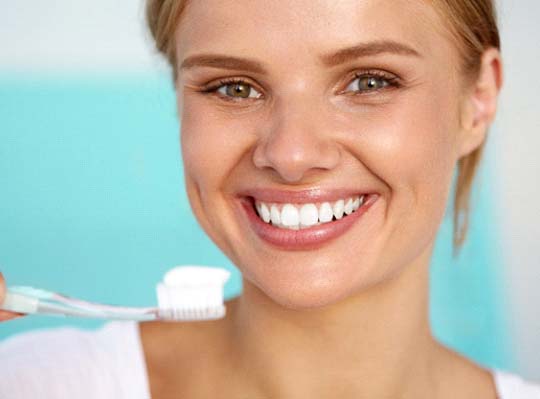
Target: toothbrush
[(187, 293)]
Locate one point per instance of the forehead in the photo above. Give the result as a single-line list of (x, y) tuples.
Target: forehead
[(268, 29)]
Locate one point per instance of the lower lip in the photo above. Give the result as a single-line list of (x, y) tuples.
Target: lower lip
[(309, 238)]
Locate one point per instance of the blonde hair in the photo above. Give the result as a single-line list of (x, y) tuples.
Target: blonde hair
[(473, 23)]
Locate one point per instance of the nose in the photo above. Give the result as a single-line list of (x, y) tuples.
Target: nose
[(297, 143)]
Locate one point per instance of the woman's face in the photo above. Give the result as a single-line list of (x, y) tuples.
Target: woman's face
[(338, 100)]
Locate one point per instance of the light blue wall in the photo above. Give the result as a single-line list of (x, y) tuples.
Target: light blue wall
[(92, 205)]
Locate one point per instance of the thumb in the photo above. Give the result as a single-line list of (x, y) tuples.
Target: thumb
[(4, 314)]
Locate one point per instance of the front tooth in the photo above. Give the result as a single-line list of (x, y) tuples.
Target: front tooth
[(325, 213), (265, 213), (275, 216), (338, 209), (309, 215), (348, 206), (290, 216), (362, 199), (356, 204)]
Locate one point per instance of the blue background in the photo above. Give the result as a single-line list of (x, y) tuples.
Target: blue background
[(92, 205)]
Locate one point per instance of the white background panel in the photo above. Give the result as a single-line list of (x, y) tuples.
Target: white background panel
[(517, 168), (75, 36)]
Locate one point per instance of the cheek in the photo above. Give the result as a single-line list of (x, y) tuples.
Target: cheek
[(418, 137), (410, 146), (211, 146)]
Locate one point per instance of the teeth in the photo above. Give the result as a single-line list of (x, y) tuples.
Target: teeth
[(325, 213), (290, 216), (338, 209), (302, 216), (275, 215), (265, 213), (349, 206), (356, 204), (309, 215)]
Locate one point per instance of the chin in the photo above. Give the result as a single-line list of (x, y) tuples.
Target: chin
[(306, 298), (309, 299), (308, 287)]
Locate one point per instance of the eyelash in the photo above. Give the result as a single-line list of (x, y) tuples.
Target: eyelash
[(391, 80), (212, 89)]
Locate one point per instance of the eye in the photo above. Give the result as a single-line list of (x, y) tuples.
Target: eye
[(371, 82), (235, 89)]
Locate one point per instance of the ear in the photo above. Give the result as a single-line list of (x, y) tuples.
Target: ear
[(480, 103)]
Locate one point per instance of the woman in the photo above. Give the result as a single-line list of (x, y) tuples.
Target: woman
[(319, 140)]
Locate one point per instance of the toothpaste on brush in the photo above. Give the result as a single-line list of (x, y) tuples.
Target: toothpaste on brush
[(187, 293)]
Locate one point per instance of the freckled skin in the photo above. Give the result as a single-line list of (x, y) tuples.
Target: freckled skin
[(354, 293)]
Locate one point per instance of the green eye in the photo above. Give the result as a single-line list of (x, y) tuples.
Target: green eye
[(370, 83), (238, 90)]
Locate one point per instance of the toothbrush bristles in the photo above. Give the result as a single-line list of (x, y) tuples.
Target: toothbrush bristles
[(192, 293), (192, 314)]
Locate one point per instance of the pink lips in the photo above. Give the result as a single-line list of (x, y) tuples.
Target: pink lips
[(302, 239)]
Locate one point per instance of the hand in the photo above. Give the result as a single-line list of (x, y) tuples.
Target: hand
[(4, 314)]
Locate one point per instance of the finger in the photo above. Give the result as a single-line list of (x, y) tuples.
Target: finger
[(6, 315), (2, 289)]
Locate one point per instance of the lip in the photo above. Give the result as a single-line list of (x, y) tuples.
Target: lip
[(303, 239)]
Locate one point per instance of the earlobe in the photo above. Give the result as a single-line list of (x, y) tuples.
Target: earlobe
[(481, 103)]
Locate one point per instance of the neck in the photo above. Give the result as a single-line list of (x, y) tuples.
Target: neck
[(375, 344)]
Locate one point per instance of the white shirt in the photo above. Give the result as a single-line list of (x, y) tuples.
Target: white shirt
[(109, 363)]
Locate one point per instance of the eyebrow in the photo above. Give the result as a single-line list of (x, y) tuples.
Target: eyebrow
[(377, 47), (224, 62), (333, 59)]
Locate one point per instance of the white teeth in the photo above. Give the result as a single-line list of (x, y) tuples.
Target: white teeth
[(265, 213), (275, 216), (290, 216), (302, 216), (309, 215), (356, 204), (348, 206), (325, 213), (338, 209)]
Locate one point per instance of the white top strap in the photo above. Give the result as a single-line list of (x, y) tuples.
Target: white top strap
[(511, 386), (71, 363)]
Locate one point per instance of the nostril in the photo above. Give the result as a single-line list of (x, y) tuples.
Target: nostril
[(292, 151)]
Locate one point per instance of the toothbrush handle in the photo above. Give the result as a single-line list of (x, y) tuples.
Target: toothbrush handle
[(54, 309), (14, 302), (20, 303)]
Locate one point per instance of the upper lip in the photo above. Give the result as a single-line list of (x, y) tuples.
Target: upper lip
[(312, 195)]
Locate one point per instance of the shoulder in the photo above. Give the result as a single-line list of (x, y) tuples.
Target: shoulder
[(179, 349), (68, 362), (512, 386)]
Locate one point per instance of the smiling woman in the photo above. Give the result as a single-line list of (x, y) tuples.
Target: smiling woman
[(319, 141), (297, 126)]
